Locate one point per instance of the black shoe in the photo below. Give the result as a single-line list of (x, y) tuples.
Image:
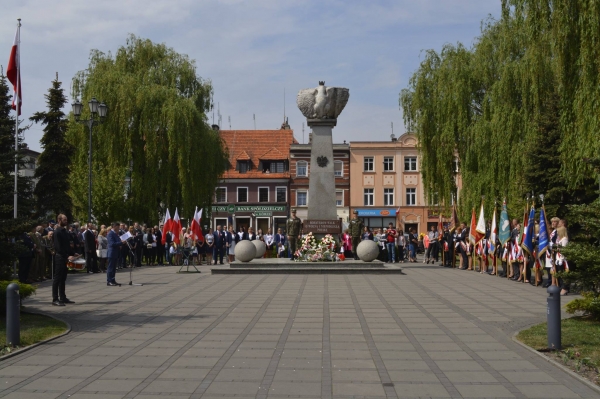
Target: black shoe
[(67, 300), (58, 303), (546, 285), (113, 284)]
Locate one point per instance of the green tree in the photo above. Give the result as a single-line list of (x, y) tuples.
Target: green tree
[(54, 163), (156, 133), (9, 226)]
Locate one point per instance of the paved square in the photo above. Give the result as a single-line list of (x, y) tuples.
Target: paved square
[(431, 333)]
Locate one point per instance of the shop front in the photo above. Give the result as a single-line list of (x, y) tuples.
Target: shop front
[(377, 218), (256, 216)]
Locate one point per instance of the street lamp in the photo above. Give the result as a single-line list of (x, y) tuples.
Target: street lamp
[(98, 113)]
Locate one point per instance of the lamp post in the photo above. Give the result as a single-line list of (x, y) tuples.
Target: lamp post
[(98, 113)]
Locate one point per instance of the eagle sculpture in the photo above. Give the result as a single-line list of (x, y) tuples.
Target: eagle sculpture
[(322, 102)]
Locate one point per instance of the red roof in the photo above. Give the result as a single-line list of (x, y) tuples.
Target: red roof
[(256, 146)]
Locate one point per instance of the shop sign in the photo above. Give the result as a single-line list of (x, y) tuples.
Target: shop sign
[(316, 226), (377, 212), (263, 214), (231, 208)]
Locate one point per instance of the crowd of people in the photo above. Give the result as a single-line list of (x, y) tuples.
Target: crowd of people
[(110, 248)]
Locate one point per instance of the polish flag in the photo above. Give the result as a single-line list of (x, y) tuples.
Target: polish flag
[(13, 73), (474, 234), (176, 227), (480, 229), (196, 225), (166, 226)]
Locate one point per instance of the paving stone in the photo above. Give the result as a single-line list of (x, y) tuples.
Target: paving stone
[(484, 391), (360, 389)]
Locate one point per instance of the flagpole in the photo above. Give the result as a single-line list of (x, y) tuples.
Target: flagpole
[(18, 99)]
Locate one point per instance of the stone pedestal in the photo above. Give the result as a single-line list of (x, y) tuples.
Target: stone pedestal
[(321, 186)]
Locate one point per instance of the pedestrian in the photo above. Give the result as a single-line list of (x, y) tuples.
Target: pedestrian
[(432, 251), (210, 246), (269, 242), (63, 254), (280, 243), (367, 235), (220, 241), (25, 257), (114, 251), (160, 248), (347, 243), (89, 241), (232, 239), (391, 242), (102, 250), (401, 244), (294, 229), (413, 243)]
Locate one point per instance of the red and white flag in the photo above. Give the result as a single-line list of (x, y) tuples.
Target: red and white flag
[(166, 226), (176, 228), (196, 225), (13, 72)]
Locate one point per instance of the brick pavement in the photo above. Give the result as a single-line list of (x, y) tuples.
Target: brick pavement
[(431, 333)]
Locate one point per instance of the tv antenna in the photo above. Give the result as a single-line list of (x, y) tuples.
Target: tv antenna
[(254, 117), (219, 114), (229, 118), (302, 132)]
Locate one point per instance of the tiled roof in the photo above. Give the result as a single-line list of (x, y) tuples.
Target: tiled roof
[(257, 145), (274, 155)]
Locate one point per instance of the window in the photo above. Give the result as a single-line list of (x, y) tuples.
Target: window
[(243, 166), (221, 194), (388, 164), (368, 164), (388, 196), (368, 196), (410, 164), (301, 198), (281, 194), (338, 168), (411, 196), (301, 168), (274, 166), (339, 198), (242, 194), (263, 194), (456, 165)]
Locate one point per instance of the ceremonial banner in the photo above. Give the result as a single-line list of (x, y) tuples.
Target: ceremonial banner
[(504, 234), (493, 234), (543, 237), (176, 228), (166, 227), (475, 234), (13, 72), (454, 221), (527, 244)]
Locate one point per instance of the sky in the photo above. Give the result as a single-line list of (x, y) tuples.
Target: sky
[(252, 51)]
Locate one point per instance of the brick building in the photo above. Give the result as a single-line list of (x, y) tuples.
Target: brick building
[(255, 189)]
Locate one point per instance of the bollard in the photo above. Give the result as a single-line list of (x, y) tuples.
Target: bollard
[(553, 314), (13, 310)]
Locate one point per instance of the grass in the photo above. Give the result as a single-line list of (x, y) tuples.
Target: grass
[(580, 342), (34, 328)]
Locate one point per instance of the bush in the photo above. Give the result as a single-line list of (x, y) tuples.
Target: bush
[(589, 305), (25, 291)]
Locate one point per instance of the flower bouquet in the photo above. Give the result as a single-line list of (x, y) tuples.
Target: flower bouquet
[(314, 250)]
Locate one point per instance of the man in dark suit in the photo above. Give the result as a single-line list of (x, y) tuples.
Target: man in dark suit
[(220, 241), (464, 236), (114, 251), (63, 253), (139, 244), (160, 249), (89, 243)]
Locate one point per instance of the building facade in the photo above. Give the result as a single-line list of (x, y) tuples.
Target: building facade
[(30, 163), (254, 191), (300, 173), (386, 184)]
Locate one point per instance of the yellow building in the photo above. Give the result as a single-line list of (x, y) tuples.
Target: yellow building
[(386, 184)]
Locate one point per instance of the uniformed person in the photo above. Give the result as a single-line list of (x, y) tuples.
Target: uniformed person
[(356, 229), (294, 228)]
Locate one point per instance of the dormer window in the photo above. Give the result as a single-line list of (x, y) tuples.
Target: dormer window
[(274, 166), (243, 166)]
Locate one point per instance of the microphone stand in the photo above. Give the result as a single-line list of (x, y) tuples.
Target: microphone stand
[(134, 257)]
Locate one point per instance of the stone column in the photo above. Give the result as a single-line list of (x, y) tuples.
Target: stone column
[(321, 188)]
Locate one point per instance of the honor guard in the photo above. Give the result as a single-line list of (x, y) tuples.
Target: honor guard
[(356, 229), (294, 228)]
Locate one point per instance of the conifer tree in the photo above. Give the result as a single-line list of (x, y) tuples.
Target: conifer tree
[(9, 226), (54, 163)]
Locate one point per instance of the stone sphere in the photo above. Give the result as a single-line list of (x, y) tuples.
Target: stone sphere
[(367, 250), (245, 251), (260, 248)]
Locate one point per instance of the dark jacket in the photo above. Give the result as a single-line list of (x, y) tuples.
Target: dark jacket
[(89, 241)]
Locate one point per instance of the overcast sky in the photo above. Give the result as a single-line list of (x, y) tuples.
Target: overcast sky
[(253, 50)]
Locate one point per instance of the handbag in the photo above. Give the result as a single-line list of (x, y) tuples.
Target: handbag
[(102, 253), (149, 246)]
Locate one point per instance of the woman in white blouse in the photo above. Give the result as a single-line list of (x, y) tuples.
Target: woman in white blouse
[(269, 241)]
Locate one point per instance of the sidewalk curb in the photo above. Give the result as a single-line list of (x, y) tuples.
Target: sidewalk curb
[(25, 349), (555, 363)]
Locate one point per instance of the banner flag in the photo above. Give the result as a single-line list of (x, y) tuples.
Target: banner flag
[(504, 234)]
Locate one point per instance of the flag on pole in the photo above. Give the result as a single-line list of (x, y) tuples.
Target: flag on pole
[(196, 225), (166, 226), (493, 233), (13, 71), (543, 237), (527, 244), (523, 227), (176, 228), (504, 234), (454, 221), (475, 232), (440, 227)]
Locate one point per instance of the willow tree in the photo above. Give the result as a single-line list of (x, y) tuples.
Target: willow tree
[(496, 105), (155, 148)]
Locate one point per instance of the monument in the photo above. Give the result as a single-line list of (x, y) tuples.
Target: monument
[(321, 106)]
